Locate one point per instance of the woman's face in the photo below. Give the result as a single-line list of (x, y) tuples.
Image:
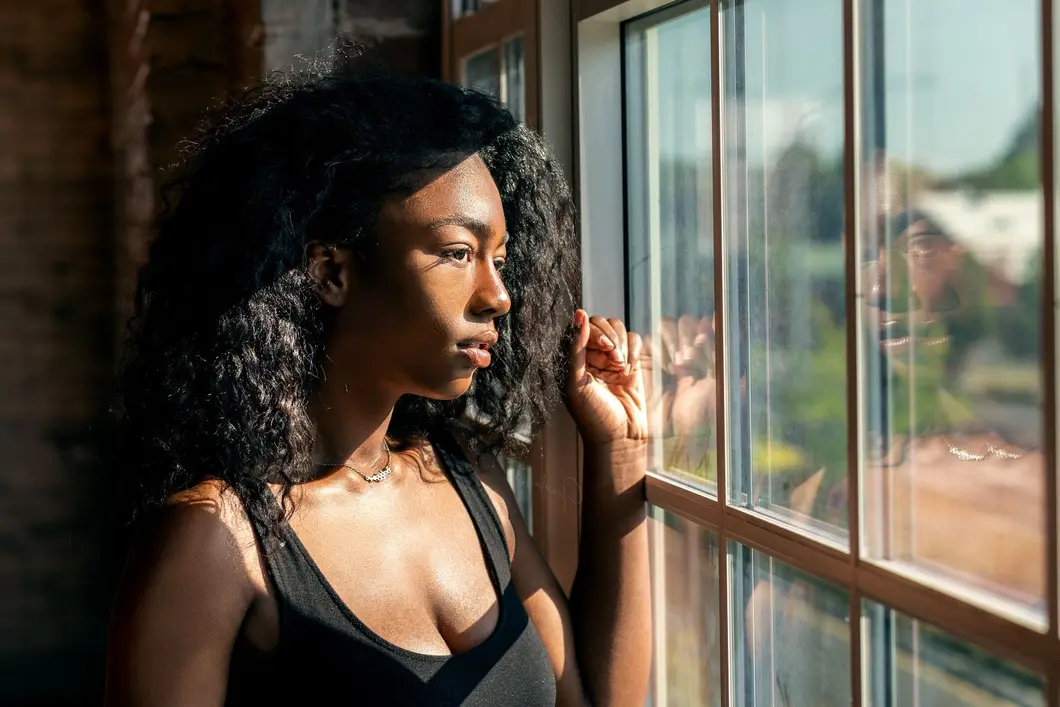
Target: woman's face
[(913, 287), (420, 313)]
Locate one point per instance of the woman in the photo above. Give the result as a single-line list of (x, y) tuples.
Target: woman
[(354, 268)]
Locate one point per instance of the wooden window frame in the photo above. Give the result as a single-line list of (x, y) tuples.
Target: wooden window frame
[(862, 579)]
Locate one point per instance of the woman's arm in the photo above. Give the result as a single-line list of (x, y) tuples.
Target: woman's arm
[(599, 643), (180, 607), (611, 595)]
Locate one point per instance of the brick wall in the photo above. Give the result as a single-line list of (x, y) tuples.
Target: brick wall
[(55, 341), (96, 94)]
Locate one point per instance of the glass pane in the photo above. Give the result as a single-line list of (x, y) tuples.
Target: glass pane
[(514, 77), (520, 478), (482, 72), (785, 330), (670, 236), (951, 246), (460, 8), (909, 662), (790, 634), (685, 596)]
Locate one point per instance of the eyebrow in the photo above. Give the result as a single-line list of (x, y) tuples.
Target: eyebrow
[(480, 228)]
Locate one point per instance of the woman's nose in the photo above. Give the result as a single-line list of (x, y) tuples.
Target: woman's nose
[(491, 296)]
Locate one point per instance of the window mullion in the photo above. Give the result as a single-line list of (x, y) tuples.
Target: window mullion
[(721, 435), (1049, 303), (852, 284)]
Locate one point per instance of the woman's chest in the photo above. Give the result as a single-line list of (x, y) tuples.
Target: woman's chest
[(414, 574)]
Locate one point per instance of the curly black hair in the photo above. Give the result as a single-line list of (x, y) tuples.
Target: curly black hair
[(225, 347)]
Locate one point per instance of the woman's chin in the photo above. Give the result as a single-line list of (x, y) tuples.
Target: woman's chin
[(453, 389)]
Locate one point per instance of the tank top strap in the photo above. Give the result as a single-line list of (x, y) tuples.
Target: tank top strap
[(289, 569), (481, 509)]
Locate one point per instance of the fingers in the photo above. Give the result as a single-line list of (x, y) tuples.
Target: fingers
[(611, 349), (578, 350), (606, 338)]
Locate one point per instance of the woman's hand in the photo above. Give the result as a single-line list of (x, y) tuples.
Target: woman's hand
[(605, 391)]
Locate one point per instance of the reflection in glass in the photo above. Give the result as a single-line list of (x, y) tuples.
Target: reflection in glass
[(482, 72), (670, 236), (785, 329), (951, 246), (685, 594), (912, 663), (790, 635)]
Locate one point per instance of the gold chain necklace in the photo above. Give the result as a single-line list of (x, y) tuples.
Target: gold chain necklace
[(370, 478)]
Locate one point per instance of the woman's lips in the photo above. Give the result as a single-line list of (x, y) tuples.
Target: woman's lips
[(479, 356)]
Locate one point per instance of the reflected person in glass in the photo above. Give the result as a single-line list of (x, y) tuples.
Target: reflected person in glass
[(953, 477)]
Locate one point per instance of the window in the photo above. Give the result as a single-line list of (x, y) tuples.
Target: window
[(951, 273), (686, 615), (782, 166), (670, 240), (462, 8), (791, 642), (910, 662), (519, 472), (500, 72), (836, 241), (492, 46)]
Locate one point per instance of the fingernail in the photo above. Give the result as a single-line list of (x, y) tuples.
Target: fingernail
[(604, 341), (577, 321)]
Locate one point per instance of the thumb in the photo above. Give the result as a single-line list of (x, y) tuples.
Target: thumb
[(578, 347)]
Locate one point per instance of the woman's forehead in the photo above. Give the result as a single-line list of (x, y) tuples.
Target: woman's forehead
[(465, 192)]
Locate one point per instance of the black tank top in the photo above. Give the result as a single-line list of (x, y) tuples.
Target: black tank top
[(327, 656)]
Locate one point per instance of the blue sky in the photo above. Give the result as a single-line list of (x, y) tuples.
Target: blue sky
[(961, 75)]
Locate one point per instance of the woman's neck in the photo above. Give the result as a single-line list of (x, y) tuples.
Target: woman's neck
[(351, 419)]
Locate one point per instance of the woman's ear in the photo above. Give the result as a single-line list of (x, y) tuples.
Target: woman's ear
[(330, 269)]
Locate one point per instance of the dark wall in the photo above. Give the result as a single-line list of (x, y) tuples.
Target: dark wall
[(55, 341), (95, 95)]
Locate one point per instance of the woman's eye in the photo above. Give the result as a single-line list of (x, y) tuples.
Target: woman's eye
[(499, 263), (461, 254)]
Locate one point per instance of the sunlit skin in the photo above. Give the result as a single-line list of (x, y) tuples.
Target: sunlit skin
[(417, 316)]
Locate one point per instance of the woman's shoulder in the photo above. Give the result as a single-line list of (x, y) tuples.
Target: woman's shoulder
[(203, 534), (182, 601), (209, 512)]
